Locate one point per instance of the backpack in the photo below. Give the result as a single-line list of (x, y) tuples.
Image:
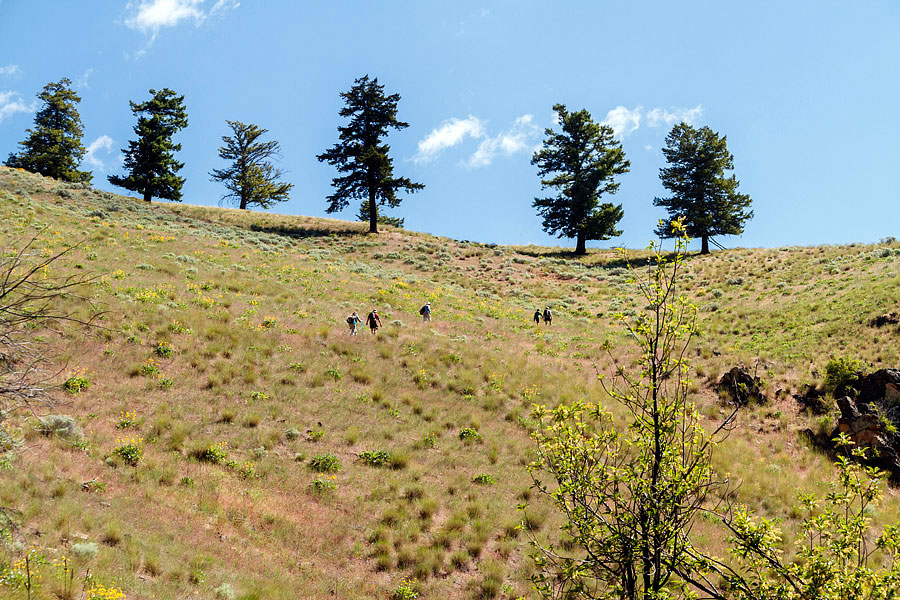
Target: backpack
[(422, 311), (350, 320)]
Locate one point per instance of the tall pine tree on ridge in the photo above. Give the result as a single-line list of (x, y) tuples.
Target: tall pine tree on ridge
[(580, 162), (150, 159), (702, 196), (361, 153), (53, 148)]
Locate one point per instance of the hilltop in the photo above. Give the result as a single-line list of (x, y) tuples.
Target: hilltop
[(223, 353)]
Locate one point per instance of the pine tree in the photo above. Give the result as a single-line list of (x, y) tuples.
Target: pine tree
[(580, 162), (150, 159), (361, 154), (251, 179), (706, 201), (54, 147)]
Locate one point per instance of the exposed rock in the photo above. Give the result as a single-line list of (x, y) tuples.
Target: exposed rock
[(869, 425), (881, 387), (885, 319), (814, 399), (740, 387)]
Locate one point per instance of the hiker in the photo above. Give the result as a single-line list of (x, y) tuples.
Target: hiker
[(425, 311), (373, 321), (548, 316), (353, 321), (537, 316)]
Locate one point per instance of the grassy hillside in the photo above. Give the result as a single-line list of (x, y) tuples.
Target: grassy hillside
[(222, 354)]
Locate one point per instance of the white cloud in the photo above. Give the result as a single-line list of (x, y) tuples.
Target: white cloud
[(82, 81), (10, 70), (149, 16), (103, 143), (623, 121), (660, 116), (450, 133), (518, 138), (12, 103)]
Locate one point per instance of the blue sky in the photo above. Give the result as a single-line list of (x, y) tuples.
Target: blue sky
[(808, 94)]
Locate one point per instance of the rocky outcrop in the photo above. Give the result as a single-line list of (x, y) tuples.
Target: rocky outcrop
[(739, 387), (815, 400), (872, 420)]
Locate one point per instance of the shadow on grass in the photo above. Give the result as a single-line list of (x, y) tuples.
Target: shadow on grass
[(307, 232)]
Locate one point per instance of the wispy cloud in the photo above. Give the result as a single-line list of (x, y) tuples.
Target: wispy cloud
[(82, 81), (149, 16), (12, 103), (104, 143), (661, 116), (521, 137), (623, 121), (448, 134), (10, 70)]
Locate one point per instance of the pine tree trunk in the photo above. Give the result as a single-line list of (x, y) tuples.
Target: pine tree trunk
[(373, 212), (243, 203), (704, 248), (580, 247), (147, 196)]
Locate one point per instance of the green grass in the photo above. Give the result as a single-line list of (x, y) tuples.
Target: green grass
[(242, 313)]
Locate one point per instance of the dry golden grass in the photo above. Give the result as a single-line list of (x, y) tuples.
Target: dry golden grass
[(269, 369)]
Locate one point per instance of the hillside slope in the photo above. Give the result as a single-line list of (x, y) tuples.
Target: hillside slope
[(223, 352)]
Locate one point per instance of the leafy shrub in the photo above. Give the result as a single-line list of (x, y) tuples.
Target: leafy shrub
[(258, 396), (77, 382), (292, 433), (469, 433), (164, 350), (130, 450), (484, 479), (322, 485), (841, 373), (375, 458), (325, 463), (405, 591), (150, 368), (215, 453), (126, 420)]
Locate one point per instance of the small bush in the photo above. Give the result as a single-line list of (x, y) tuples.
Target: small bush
[(164, 350), (841, 373), (292, 433), (130, 450), (325, 463), (77, 382), (469, 433), (85, 550), (225, 592), (484, 479), (405, 591), (215, 453), (375, 458)]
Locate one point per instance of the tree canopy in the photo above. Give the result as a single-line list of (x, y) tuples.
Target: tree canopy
[(580, 162), (251, 178), (53, 147), (361, 154), (703, 197), (150, 159)]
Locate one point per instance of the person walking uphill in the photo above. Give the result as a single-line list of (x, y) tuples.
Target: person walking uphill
[(373, 321), (537, 316), (425, 311), (353, 321), (548, 316)]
